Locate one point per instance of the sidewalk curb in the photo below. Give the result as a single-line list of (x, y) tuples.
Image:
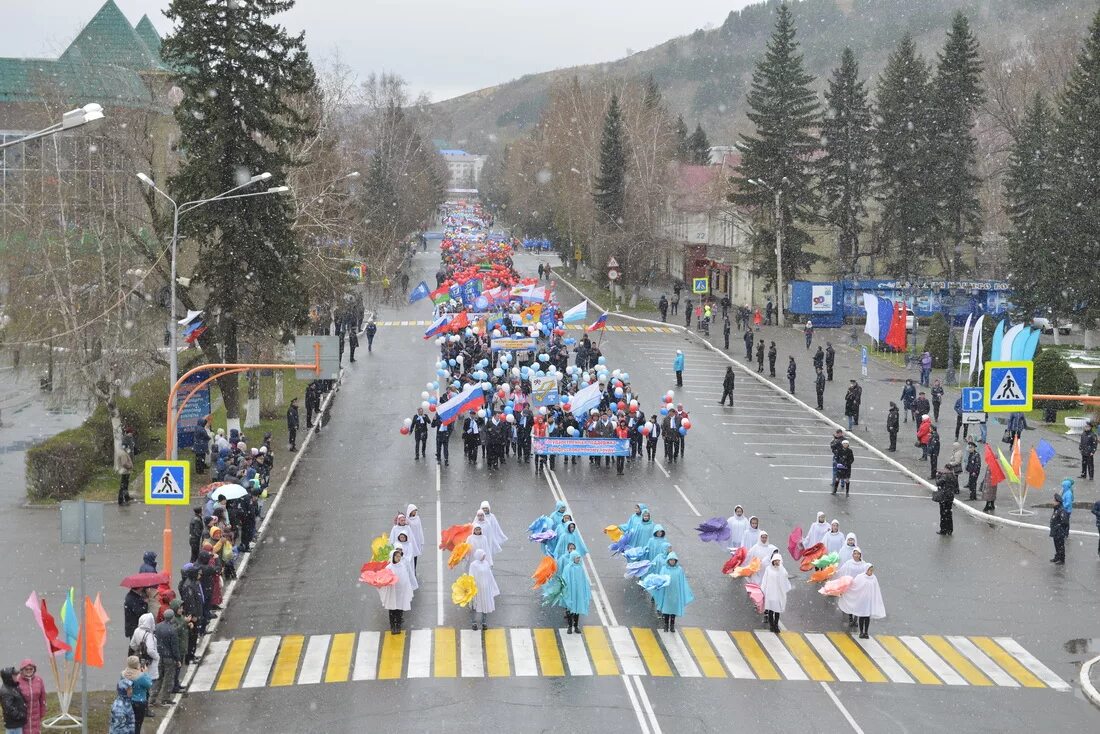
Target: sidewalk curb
[(1086, 681), (972, 511), (200, 650)]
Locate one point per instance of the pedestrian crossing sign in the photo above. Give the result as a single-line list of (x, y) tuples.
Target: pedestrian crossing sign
[(700, 285), (167, 482), (1008, 386)]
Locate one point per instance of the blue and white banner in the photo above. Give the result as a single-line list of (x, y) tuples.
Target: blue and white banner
[(544, 390), (581, 446)]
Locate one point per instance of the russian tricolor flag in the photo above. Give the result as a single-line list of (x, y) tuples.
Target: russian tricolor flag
[(439, 326), (598, 323), (472, 397), (880, 312)]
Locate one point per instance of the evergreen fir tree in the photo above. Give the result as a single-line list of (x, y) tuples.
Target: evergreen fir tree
[(610, 193), (651, 94), (244, 82), (903, 153), (957, 95), (1038, 283), (699, 147), (845, 166), (683, 153), (1077, 177), (785, 111), (380, 195)]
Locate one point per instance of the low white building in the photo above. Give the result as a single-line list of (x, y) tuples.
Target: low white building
[(465, 168)]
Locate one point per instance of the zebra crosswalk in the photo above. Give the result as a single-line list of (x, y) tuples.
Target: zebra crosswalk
[(275, 661), (572, 327)]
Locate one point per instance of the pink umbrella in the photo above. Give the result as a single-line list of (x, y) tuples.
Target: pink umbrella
[(794, 542), (756, 595)]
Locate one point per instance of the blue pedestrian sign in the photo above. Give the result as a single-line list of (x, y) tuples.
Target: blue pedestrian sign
[(1008, 387), (167, 482), (700, 285), (973, 398)]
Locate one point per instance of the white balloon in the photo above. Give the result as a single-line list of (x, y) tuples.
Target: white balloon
[(440, 341), (571, 431), (511, 418), (648, 426), (424, 405), (507, 388), (670, 394), (408, 421), (543, 410), (460, 359), (515, 372), (603, 377), (615, 373), (486, 386), (481, 413), (431, 386), (424, 395)]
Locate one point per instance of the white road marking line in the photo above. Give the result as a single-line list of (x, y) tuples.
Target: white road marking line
[(366, 656), (1029, 661), (262, 660), (420, 654), (730, 655), (684, 496), (523, 651), (679, 655), (763, 425), (979, 658), (853, 481), (844, 711), (884, 660), (438, 550), (832, 657), (770, 454), (787, 664), (819, 466), (769, 414), (575, 653), (209, 667), (313, 662), (630, 662), (946, 673), (784, 444), (633, 696), (868, 494), (472, 664), (662, 468)]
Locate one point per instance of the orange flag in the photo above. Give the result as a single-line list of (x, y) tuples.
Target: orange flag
[(1036, 475), (95, 624), (1016, 458)]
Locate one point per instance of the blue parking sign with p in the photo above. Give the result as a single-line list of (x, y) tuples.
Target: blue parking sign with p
[(973, 399), (167, 482)]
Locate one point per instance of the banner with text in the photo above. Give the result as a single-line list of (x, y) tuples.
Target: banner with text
[(582, 446)]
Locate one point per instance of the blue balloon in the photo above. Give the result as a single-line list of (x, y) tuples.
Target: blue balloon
[(432, 401), (602, 360), (441, 373), (683, 431), (618, 392), (570, 341), (544, 357), (625, 377), (481, 303), (664, 411), (486, 386), (509, 407), (435, 385), (456, 384), (451, 362)]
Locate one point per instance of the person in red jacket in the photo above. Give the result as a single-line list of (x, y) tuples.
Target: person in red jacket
[(34, 693), (539, 430), (621, 431), (924, 435)]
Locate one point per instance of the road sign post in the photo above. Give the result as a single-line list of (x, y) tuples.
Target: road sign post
[(81, 524), (700, 285), (1008, 387), (863, 360), (167, 482)]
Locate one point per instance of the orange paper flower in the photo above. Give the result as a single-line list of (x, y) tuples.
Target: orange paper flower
[(460, 552), (546, 569), (454, 535), (748, 570), (823, 575)]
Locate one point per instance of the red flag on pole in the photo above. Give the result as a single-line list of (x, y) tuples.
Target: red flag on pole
[(996, 474), (49, 628), (895, 336)]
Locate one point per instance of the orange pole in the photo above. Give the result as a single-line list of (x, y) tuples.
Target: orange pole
[(171, 418), (200, 386), (1094, 399)]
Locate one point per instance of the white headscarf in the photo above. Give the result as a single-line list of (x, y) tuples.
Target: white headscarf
[(487, 589), (864, 597), (817, 531), (762, 550), (497, 533), (752, 535), (400, 594), (412, 547), (852, 567), (738, 526), (416, 525), (775, 585), (846, 550), (834, 541)]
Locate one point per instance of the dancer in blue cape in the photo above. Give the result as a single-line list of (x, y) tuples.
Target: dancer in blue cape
[(567, 536), (578, 592), (677, 594)]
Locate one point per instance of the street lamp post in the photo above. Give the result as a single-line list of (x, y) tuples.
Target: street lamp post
[(778, 191), (89, 114), (178, 211)]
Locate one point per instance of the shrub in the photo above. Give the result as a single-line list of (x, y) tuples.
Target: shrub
[(59, 467), (936, 342), (1054, 376), (1094, 389)]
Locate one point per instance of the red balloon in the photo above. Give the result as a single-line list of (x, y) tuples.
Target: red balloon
[(668, 400), (686, 424), (621, 405), (431, 408), (404, 431), (645, 431), (566, 407)]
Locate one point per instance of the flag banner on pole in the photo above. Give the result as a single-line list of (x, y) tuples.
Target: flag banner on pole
[(577, 314), (1036, 476), (420, 291), (1044, 451), (879, 315), (599, 323), (1006, 467), (977, 347), (896, 335), (996, 474)]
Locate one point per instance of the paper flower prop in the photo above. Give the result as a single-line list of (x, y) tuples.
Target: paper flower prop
[(756, 596), (540, 524), (378, 546), (542, 537), (613, 532), (378, 579), (737, 557), (748, 570), (621, 544), (373, 566), (554, 593), (461, 550), (794, 543), (836, 587), (823, 575), (463, 590), (714, 529), (826, 560), (636, 553), (654, 581), (810, 555), (544, 572), (454, 535), (637, 569)]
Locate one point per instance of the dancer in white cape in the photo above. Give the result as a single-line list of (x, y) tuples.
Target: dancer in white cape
[(738, 525), (397, 598), (845, 552), (496, 534), (863, 600), (484, 601), (478, 539), (412, 515), (854, 567), (413, 546), (752, 533), (817, 531), (775, 586), (762, 550), (834, 539)]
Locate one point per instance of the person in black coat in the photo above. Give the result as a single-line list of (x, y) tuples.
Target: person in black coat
[(372, 329), (760, 356), (945, 497), (748, 343), (525, 421), (442, 441), (11, 701), (651, 440), (313, 402), (195, 529), (852, 399), (934, 451), (792, 372), (844, 459), (773, 354), (973, 468), (1059, 530), (830, 358), (200, 444), (1087, 449), (662, 305), (726, 328), (727, 387), (471, 436), (292, 423), (419, 429), (908, 396), (819, 388), (893, 425), (133, 606), (819, 358)]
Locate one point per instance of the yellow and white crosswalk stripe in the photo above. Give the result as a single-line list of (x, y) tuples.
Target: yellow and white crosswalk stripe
[(443, 652)]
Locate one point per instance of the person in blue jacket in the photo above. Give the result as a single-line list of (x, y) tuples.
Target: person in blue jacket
[(678, 367), (578, 592), (676, 595)]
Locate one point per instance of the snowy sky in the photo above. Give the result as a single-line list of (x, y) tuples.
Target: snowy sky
[(443, 48)]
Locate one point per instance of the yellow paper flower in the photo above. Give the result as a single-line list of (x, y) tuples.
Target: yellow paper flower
[(463, 590), (460, 552), (613, 532), (380, 548)]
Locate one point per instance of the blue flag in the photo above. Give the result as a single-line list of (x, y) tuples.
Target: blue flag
[(1044, 451), (420, 291)]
